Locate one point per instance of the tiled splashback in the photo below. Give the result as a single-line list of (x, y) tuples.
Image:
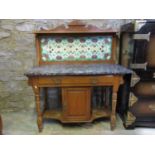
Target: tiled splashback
[(68, 48)]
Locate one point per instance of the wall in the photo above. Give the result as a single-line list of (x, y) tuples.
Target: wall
[(17, 54)]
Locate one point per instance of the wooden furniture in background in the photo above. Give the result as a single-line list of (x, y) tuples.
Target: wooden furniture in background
[(76, 59), (137, 104)]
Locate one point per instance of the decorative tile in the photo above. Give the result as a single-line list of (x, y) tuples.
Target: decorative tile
[(80, 48)]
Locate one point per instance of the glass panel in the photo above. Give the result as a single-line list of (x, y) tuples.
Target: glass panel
[(66, 48)]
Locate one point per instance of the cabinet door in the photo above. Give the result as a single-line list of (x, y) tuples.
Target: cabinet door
[(76, 104)]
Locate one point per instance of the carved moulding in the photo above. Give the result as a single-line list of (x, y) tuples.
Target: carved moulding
[(134, 79), (130, 119), (132, 99)]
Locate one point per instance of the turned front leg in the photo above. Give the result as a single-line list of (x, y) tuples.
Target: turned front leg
[(38, 107), (45, 98), (118, 80), (113, 112)]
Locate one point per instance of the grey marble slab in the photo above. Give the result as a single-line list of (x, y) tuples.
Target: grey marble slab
[(78, 69)]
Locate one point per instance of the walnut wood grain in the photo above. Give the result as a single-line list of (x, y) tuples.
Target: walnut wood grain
[(77, 27), (36, 90), (79, 86), (76, 103)]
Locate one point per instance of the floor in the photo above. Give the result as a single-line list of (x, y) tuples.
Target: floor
[(24, 123)]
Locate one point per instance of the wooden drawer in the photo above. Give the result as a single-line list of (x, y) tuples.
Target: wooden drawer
[(76, 80), (144, 108), (146, 88)]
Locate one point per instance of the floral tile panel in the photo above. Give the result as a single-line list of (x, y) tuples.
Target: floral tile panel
[(66, 48)]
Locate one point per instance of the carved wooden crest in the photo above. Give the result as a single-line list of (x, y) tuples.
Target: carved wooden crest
[(77, 26)]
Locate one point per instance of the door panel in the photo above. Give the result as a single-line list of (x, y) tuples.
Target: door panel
[(144, 107), (76, 104), (146, 88)]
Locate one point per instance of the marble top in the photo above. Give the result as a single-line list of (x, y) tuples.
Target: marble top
[(78, 69)]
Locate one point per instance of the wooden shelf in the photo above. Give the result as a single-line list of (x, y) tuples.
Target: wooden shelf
[(96, 113), (55, 114)]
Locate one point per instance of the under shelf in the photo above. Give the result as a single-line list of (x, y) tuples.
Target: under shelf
[(99, 113), (95, 114), (55, 114)]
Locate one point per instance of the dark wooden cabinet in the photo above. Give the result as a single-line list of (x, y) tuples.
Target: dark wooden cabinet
[(77, 104), (137, 52)]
